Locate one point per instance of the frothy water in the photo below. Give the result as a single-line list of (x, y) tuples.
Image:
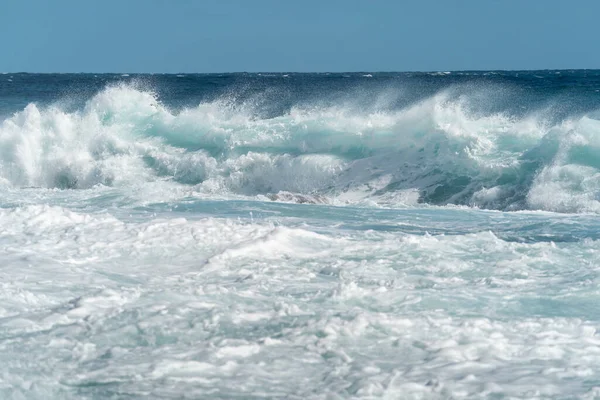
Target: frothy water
[(306, 236), (124, 136)]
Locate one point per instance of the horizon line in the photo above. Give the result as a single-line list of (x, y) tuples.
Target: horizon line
[(306, 72)]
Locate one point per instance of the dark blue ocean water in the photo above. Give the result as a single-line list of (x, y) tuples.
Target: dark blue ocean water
[(567, 91), (300, 236)]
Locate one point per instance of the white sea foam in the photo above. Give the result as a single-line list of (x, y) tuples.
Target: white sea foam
[(147, 252), (93, 304)]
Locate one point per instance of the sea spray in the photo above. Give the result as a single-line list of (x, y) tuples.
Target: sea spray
[(437, 147)]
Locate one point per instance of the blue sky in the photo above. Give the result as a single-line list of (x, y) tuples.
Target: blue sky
[(308, 35)]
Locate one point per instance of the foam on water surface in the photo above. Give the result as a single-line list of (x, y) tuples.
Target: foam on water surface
[(345, 243), (95, 306)]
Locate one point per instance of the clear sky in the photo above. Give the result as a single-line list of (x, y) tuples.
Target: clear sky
[(301, 35)]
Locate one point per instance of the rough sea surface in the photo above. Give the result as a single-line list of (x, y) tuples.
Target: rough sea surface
[(300, 236)]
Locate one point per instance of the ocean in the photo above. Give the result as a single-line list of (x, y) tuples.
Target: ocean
[(300, 236)]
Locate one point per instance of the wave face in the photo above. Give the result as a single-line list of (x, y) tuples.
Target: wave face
[(489, 141)]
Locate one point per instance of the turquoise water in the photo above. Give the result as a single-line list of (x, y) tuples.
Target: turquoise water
[(313, 236)]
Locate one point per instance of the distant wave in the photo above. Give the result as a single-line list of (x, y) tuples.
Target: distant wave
[(435, 151)]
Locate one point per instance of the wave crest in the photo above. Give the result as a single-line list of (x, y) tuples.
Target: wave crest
[(435, 151)]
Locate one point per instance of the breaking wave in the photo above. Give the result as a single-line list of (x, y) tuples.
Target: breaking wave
[(435, 151)]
